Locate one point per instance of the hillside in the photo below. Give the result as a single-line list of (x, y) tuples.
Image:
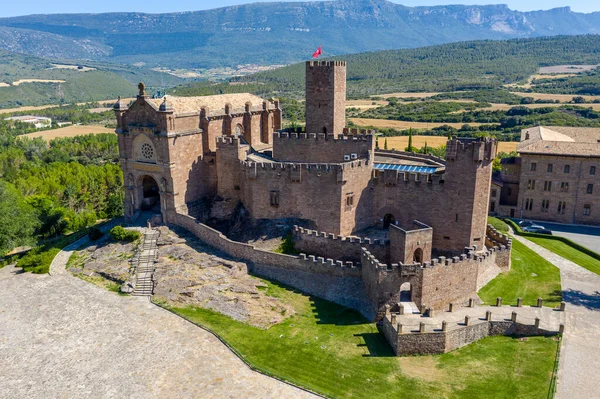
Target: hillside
[(29, 80), (275, 33), (443, 68)]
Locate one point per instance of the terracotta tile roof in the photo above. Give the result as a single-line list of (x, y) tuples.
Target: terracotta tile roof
[(560, 140), (215, 104)]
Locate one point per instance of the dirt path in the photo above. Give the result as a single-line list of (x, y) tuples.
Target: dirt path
[(580, 351)]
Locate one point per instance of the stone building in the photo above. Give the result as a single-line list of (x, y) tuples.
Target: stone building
[(423, 218), (558, 177)]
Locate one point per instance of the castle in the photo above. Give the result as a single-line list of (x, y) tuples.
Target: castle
[(387, 226)]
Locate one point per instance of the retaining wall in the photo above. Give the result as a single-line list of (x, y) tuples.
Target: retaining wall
[(336, 281)]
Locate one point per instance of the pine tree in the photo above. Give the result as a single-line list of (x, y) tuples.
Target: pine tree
[(449, 136), (425, 149), (385, 146), (410, 145)]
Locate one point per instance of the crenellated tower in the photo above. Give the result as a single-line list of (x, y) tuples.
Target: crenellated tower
[(325, 97)]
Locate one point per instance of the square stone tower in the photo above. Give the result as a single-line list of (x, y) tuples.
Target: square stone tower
[(325, 97)]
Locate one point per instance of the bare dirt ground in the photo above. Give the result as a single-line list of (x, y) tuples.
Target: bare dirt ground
[(188, 273), (72, 67), (70, 131), (406, 95), (401, 142)]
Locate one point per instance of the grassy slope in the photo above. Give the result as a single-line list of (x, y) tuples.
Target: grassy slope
[(498, 224), (333, 350), (568, 252), (530, 277)]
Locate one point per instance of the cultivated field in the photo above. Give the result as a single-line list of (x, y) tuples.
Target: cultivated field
[(38, 107), (72, 67), (401, 142), (378, 123), (70, 131), (570, 69), (406, 95), (18, 82), (559, 97)]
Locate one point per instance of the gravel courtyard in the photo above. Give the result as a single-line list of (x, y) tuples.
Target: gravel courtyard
[(61, 337)]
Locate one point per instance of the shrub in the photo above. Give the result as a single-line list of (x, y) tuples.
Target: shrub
[(118, 233), (95, 233)]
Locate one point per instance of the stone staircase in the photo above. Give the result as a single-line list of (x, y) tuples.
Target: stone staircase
[(144, 264)]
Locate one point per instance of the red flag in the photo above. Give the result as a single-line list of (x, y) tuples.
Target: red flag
[(317, 53)]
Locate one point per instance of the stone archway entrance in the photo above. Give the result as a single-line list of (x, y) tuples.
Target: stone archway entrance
[(388, 219), (150, 195), (406, 292), (418, 256)]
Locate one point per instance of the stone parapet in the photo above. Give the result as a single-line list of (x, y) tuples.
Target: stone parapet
[(337, 246), (412, 337)]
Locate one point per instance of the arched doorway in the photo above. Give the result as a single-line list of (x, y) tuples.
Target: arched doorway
[(388, 219), (406, 292), (150, 195), (418, 256)]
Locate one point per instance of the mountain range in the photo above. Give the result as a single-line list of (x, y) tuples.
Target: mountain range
[(275, 33)]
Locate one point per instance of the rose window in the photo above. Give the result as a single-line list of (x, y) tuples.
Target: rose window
[(147, 151)]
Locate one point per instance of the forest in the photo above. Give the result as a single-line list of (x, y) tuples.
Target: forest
[(451, 67), (49, 189)]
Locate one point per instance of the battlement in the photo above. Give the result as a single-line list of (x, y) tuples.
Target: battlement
[(479, 149), (369, 260), (322, 136), (312, 64), (334, 237), (318, 167), (498, 238), (329, 262)]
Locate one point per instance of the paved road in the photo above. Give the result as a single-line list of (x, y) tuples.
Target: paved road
[(61, 337), (580, 351), (588, 236)]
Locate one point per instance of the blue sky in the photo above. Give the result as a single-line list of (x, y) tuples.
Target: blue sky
[(24, 7)]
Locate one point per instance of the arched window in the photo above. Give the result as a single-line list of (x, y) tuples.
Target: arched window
[(418, 256), (239, 129)]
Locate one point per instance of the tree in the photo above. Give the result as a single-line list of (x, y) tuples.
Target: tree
[(425, 149), (17, 219), (578, 100), (410, 147), (385, 145)]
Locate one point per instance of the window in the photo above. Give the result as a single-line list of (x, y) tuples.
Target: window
[(587, 210), (531, 184), (545, 205), (567, 168), (561, 207), (592, 170), (349, 201), (493, 193), (590, 189), (547, 186), (564, 187), (533, 166), (275, 199), (528, 204), (492, 207), (549, 167)]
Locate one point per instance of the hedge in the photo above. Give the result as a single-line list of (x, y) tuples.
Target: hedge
[(573, 244)]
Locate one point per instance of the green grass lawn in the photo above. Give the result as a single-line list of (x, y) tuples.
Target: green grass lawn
[(335, 351), (498, 224), (568, 252), (530, 277)]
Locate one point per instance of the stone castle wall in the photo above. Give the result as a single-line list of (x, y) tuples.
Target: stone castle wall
[(335, 281), (410, 341), (321, 148), (337, 247)]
